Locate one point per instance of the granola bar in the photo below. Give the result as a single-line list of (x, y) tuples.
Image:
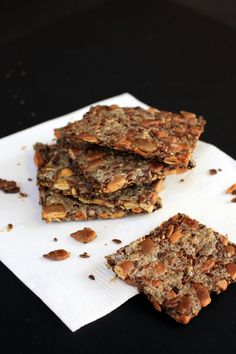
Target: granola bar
[(57, 207), (58, 174), (178, 266), (167, 137)]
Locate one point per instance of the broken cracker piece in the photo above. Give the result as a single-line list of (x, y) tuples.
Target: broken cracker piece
[(178, 273)]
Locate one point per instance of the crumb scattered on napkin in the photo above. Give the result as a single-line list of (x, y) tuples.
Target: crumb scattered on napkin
[(57, 255), (86, 235), (9, 186)]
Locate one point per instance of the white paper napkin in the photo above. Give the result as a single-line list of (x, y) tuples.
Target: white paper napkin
[(64, 286)]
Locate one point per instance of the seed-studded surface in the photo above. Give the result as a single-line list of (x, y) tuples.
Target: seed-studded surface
[(178, 265), (57, 173), (108, 170), (56, 207), (168, 137)]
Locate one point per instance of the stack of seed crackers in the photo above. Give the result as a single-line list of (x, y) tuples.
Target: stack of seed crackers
[(113, 161)]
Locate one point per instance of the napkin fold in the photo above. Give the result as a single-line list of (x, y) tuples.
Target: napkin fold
[(65, 287)]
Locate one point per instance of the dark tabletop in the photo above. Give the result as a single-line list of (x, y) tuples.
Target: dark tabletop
[(55, 60)]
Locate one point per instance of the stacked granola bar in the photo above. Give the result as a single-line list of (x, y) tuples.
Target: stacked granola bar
[(112, 162)]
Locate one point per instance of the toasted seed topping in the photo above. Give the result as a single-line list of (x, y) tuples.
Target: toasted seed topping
[(148, 245), (86, 235), (23, 195), (57, 255)]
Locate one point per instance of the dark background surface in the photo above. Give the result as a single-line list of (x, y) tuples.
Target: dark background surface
[(59, 56)]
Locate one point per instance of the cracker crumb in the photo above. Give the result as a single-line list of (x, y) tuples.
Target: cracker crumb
[(23, 195), (23, 147), (84, 255), (233, 200), (9, 186), (9, 227), (231, 189), (213, 171), (181, 180), (116, 240), (92, 277)]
